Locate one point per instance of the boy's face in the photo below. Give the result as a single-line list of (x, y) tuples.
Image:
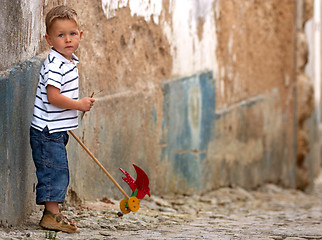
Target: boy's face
[(64, 36)]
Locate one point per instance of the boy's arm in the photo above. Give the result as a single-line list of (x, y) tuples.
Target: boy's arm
[(61, 101)]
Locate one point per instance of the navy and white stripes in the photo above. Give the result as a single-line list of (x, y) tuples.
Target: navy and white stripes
[(62, 74)]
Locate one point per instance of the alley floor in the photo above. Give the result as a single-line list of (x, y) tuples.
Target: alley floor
[(228, 213)]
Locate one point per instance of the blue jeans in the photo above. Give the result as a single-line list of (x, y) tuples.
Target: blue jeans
[(50, 158)]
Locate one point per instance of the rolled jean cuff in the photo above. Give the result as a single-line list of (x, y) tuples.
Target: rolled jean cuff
[(54, 194)]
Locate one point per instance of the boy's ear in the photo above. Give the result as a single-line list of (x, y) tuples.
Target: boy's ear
[(80, 34), (48, 39)]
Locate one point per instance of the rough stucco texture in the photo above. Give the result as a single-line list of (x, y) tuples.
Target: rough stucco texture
[(256, 61), (130, 123), (21, 25), (17, 175)]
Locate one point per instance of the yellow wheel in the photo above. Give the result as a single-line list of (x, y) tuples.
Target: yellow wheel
[(134, 204), (123, 207)]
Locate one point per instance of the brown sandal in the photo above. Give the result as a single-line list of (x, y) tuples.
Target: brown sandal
[(58, 222)]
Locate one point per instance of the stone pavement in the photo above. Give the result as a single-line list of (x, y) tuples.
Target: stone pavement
[(228, 213)]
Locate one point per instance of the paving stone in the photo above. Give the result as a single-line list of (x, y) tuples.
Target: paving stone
[(271, 212)]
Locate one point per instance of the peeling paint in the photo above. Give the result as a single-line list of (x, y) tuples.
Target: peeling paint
[(248, 144), (17, 87), (141, 8), (188, 120), (190, 52), (21, 26)]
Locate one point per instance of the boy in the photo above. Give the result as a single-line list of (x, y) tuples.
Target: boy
[(55, 112)]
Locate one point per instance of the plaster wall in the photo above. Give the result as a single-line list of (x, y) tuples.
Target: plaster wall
[(20, 24), (17, 173), (248, 49), (188, 25)]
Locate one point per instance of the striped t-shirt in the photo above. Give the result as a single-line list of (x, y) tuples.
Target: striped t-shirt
[(62, 74)]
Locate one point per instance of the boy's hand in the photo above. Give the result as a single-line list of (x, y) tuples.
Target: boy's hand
[(85, 104), (54, 97)]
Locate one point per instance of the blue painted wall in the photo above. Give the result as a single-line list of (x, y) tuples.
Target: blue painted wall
[(188, 126), (17, 87), (205, 147)]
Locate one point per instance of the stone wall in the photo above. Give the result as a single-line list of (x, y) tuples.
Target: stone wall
[(199, 94)]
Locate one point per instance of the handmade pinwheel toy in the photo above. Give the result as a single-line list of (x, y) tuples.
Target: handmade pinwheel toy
[(140, 186)]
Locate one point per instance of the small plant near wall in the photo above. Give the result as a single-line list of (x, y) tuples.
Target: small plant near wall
[(51, 235)]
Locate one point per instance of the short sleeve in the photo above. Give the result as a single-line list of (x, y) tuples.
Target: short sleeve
[(53, 76)]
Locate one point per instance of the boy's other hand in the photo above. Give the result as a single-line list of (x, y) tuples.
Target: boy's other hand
[(86, 103)]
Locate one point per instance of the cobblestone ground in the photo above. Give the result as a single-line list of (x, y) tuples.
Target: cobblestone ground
[(228, 213)]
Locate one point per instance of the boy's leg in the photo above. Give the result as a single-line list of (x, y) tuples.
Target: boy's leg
[(50, 158), (52, 207)]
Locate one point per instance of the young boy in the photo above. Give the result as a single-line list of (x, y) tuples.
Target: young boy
[(55, 112)]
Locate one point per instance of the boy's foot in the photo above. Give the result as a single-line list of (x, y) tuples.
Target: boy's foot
[(57, 222)]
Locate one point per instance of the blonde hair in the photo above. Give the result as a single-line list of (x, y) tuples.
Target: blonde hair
[(60, 12)]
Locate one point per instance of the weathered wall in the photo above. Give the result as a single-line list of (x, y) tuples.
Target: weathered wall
[(20, 26), (256, 72), (313, 70), (200, 94), (16, 171)]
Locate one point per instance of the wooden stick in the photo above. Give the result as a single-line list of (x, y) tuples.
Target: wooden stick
[(99, 164), (83, 114)]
